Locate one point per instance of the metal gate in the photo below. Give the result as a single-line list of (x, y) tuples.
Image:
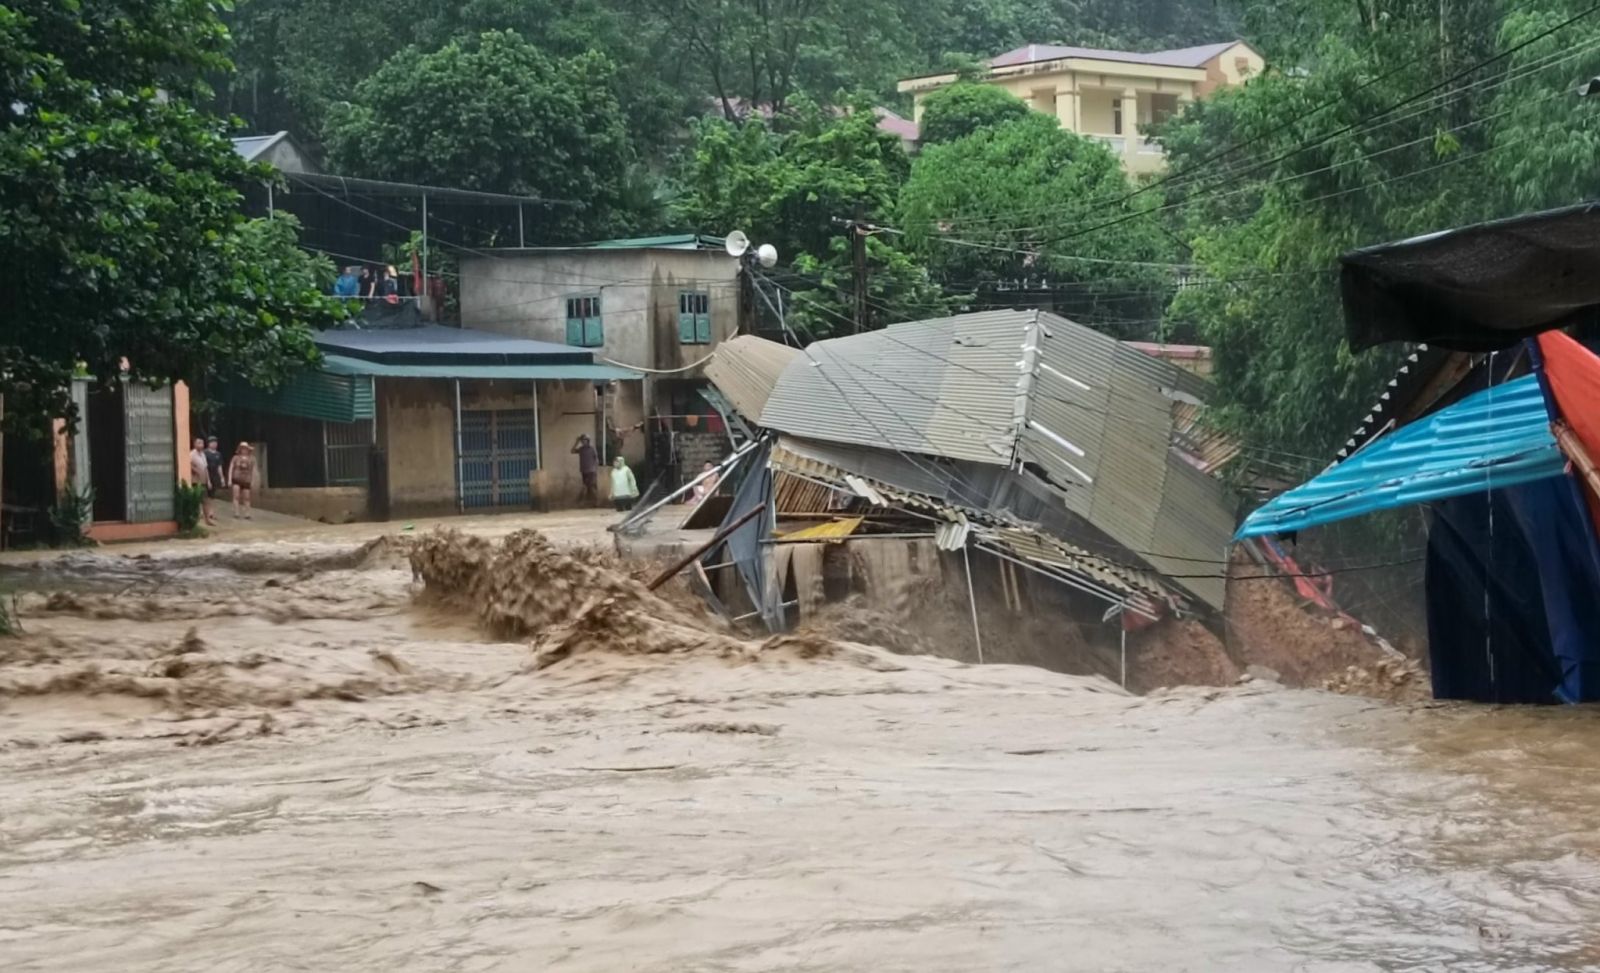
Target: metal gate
[(151, 452), (499, 451), (345, 448)]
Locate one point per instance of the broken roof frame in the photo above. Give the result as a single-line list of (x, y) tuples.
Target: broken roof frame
[(991, 531), (1089, 417)]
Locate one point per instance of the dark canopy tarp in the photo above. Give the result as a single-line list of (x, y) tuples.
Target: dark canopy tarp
[(1477, 288)]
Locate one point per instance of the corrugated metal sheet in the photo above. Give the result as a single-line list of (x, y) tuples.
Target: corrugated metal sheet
[(340, 365), (1498, 437), (1096, 418), (1121, 408), (309, 395), (945, 387), (746, 370), (801, 475)]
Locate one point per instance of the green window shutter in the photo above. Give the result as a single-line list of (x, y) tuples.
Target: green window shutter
[(702, 325), (583, 322), (685, 317)]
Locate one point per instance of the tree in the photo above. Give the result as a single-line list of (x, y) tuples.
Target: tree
[(493, 114), (787, 186), (1002, 210), (1315, 166), (300, 58), (959, 110), (120, 216)]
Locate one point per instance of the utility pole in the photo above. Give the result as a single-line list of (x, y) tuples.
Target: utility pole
[(859, 231), (858, 253)]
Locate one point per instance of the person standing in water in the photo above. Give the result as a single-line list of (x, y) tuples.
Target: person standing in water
[(200, 476), (624, 488), (242, 474)]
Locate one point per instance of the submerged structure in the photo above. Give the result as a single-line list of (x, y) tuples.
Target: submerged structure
[(1001, 452)]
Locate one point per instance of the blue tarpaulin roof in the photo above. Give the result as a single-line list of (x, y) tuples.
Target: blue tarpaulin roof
[(1499, 437)]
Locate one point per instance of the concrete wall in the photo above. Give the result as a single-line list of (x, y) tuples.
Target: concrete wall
[(525, 293), (331, 505), (416, 427), (568, 410), (1225, 69)]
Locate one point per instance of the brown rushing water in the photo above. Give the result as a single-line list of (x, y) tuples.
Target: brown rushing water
[(391, 790)]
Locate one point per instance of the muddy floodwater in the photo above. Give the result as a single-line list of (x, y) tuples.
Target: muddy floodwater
[(294, 756)]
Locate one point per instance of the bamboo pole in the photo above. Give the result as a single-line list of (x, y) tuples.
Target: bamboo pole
[(1575, 451)]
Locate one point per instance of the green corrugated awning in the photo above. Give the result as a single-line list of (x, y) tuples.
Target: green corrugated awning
[(326, 395), (339, 365)]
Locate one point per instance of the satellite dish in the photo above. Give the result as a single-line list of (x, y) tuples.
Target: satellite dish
[(768, 255), (736, 244)]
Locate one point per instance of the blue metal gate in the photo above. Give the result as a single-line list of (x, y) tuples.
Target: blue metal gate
[(499, 451)]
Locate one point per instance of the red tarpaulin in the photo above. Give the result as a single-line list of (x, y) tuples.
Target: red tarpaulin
[(1572, 373)]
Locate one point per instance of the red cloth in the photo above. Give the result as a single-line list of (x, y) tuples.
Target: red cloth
[(1573, 373)]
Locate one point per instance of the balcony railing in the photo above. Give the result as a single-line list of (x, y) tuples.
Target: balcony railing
[(1116, 143), (1149, 146)]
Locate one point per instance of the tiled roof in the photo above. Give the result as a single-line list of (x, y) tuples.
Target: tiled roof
[(1184, 57)]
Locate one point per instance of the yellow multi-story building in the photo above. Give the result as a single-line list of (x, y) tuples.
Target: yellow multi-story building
[(1109, 95)]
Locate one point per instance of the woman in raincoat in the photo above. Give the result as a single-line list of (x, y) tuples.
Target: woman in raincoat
[(624, 488)]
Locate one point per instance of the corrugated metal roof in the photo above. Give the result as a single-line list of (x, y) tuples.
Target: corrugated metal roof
[(340, 365), (250, 147), (675, 241), (746, 370), (802, 476), (436, 345), (1095, 417), (1498, 437), (946, 387), (1103, 424), (322, 395)]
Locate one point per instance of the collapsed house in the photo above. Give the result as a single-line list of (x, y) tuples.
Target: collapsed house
[(1014, 443)]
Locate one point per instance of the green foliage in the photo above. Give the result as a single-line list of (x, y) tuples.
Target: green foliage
[(121, 209), (961, 109), (787, 187), (500, 116), (71, 516), (1003, 208), (1267, 225), (189, 505)]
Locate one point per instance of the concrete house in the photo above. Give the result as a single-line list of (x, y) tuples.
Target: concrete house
[(429, 420), (1109, 95), (660, 305)]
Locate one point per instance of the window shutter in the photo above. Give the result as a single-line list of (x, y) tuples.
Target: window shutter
[(702, 322), (574, 321), (686, 317), (594, 332)]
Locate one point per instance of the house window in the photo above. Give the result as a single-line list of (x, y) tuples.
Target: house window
[(584, 329), (1116, 116), (694, 317)]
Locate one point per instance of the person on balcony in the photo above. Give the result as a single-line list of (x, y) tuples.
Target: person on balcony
[(347, 285)]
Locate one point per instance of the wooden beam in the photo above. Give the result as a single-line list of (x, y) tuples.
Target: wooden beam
[(1574, 449)]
